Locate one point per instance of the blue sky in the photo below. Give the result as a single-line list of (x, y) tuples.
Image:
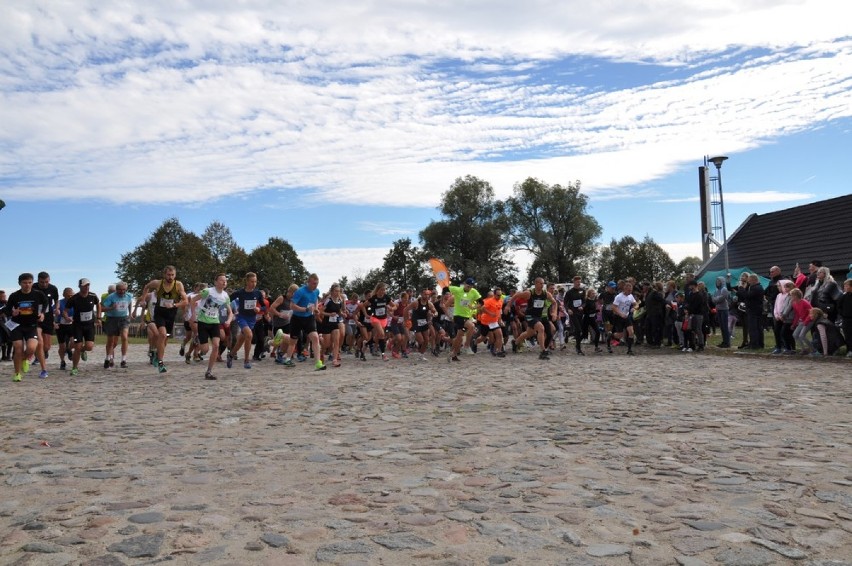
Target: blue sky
[(338, 126)]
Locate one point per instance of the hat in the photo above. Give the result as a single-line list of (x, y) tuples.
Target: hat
[(83, 282), (612, 284), (470, 281)]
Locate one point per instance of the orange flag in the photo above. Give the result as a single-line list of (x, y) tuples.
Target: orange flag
[(442, 276)]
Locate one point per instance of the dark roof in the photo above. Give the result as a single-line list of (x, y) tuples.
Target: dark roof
[(817, 231)]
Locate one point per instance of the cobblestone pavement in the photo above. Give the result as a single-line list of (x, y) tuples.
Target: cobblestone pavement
[(654, 459)]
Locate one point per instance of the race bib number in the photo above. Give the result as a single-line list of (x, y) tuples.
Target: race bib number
[(380, 311), (333, 318), (465, 302), (421, 322), (211, 311), (11, 325), (121, 306), (608, 308), (86, 316), (538, 303), (250, 305), (444, 317), (167, 303), (286, 315), (493, 325), (577, 303), (400, 319)]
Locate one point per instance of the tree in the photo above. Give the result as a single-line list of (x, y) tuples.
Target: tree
[(277, 266), (229, 257), (644, 260), (366, 282), (689, 264), (553, 225), (470, 238), (404, 267), (169, 244)]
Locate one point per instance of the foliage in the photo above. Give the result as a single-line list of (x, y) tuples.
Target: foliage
[(405, 267), (689, 264), (644, 260), (277, 266), (362, 283), (169, 244), (229, 258), (470, 237), (552, 224)]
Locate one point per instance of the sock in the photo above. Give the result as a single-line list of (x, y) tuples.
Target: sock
[(382, 345), (629, 344)]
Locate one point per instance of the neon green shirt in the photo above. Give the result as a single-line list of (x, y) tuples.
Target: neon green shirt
[(463, 301)]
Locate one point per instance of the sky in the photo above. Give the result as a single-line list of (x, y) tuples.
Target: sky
[(338, 125)]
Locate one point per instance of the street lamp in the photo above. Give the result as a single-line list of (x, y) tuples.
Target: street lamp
[(717, 161)]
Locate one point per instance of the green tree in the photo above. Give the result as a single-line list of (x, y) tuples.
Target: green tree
[(470, 238), (277, 266), (362, 283), (689, 264), (404, 267), (551, 222), (627, 257), (169, 244), (229, 257)]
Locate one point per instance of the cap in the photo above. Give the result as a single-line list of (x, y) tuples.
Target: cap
[(612, 284), (83, 282), (470, 281)]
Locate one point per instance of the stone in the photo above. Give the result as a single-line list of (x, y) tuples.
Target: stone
[(140, 546), (41, 547), (146, 518), (402, 541), (275, 540), (786, 551), (334, 551), (603, 550)]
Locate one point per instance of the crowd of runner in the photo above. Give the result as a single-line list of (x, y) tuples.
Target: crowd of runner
[(808, 314)]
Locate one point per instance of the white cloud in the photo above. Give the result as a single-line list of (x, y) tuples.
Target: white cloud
[(678, 251), (202, 100), (755, 197), (333, 263)]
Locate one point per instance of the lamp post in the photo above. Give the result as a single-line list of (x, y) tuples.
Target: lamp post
[(717, 161)]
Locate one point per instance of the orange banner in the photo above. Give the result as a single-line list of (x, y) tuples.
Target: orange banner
[(442, 275)]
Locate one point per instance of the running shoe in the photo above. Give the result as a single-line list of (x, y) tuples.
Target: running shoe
[(25, 366), (43, 374), (161, 367), (188, 359), (112, 362), (84, 356), (630, 353), (301, 357), (288, 363), (279, 337), (209, 375), (62, 365), (230, 362), (74, 371), (106, 363), (319, 366), (182, 350), (247, 365), (543, 355), (363, 358), (501, 354), (384, 357), (454, 359), (336, 363), (123, 364), (16, 378)]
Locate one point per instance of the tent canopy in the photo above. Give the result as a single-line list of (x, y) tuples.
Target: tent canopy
[(709, 277)]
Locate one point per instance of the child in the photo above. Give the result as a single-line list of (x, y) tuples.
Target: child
[(827, 337), (801, 320)]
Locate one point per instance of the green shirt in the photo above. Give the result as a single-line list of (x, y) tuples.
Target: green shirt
[(463, 301), (209, 305)]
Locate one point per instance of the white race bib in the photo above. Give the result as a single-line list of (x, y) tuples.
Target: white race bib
[(250, 304), (167, 303), (577, 303), (422, 322), (380, 311), (210, 311), (333, 318), (538, 303), (493, 325), (86, 316), (11, 325)]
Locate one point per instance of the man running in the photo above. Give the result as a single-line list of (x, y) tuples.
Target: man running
[(304, 305), (465, 305), (247, 301), (116, 308), (536, 317), (209, 303), (86, 309), (169, 295), (26, 308)]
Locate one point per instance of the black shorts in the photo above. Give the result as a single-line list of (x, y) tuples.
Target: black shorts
[(420, 325), (285, 328), (165, 318), (64, 333), (24, 333), (84, 332), (299, 324), (459, 323), (47, 326), (620, 324), (327, 327), (187, 326), (207, 331)]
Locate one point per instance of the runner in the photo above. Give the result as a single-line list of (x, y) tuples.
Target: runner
[(304, 305), (397, 329), (622, 309), (379, 306), (47, 327), (536, 316), (213, 301), (331, 325), (282, 313), (116, 307), (575, 304), (170, 296), (65, 330), (490, 316), (25, 308), (465, 304), (247, 301), (190, 326), (86, 309), (419, 314)]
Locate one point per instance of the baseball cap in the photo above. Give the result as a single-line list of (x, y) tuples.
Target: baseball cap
[(470, 281), (83, 282), (612, 284)]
